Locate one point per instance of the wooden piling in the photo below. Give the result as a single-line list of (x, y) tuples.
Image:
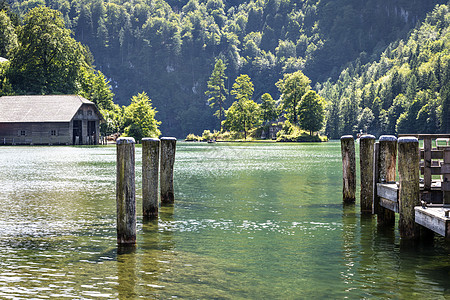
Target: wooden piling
[(366, 154), (409, 193), (387, 159), (126, 191), (168, 147), (150, 168), (376, 157), (348, 168)]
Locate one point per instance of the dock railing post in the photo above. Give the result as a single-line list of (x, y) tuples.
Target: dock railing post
[(168, 148), (366, 151), (348, 168), (445, 168), (150, 178), (409, 193), (126, 191), (386, 173)]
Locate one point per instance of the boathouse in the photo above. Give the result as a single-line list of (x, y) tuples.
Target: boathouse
[(48, 120)]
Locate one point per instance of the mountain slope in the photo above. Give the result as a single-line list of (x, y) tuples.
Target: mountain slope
[(168, 48)]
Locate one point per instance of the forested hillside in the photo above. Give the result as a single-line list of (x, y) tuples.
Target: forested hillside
[(406, 91), (168, 48)]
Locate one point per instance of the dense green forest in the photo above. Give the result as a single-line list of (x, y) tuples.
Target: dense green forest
[(407, 90), (169, 48)]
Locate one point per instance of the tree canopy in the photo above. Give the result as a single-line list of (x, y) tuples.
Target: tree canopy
[(48, 60), (292, 88)]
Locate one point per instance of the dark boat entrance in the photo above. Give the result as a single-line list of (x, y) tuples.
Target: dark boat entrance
[(77, 136), (92, 134)]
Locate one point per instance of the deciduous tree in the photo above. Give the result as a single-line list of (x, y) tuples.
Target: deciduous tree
[(311, 112), (48, 60), (292, 87), (268, 108)]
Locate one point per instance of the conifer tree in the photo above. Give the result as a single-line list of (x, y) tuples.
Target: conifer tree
[(217, 91)]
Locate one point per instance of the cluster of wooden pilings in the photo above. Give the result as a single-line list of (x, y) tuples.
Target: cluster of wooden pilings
[(378, 165), (157, 155)]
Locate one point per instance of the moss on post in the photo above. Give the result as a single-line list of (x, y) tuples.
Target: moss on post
[(150, 168), (126, 191), (409, 193), (386, 173), (366, 153), (168, 148), (348, 168)]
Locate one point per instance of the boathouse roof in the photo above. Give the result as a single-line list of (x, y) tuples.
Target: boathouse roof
[(49, 108), (2, 59)]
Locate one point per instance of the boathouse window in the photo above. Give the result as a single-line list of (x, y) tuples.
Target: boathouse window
[(53, 132), (23, 132), (80, 112), (89, 112)]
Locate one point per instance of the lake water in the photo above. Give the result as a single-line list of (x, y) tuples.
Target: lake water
[(251, 221)]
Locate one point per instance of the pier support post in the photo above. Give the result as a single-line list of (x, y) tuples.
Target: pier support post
[(168, 147), (348, 168), (386, 173), (366, 154), (126, 191), (150, 168), (409, 193)]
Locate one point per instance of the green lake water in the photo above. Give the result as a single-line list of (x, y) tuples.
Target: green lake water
[(250, 221)]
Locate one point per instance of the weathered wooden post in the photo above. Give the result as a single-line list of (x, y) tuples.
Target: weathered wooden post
[(348, 168), (150, 168), (386, 173), (366, 154), (126, 192), (409, 193), (168, 147), (376, 157)]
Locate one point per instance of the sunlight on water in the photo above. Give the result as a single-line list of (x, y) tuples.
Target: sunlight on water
[(251, 221)]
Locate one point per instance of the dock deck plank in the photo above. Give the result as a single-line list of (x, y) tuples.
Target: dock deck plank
[(433, 217)]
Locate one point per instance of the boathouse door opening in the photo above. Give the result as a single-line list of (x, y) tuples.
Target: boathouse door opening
[(77, 136), (92, 134)]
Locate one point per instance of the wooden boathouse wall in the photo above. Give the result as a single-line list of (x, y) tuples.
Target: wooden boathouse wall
[(49, 120)]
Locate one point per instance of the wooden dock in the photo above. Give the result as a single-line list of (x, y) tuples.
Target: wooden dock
[(421, 195), (434, 186), (434, 217)]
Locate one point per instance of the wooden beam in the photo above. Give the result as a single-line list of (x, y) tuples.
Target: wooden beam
[(388, 191), (435, 154), (433, 217), (389, 204), (423, 136), (437, 170)]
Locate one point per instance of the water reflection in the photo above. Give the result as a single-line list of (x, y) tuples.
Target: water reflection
[(126, 272), (349, 246), (249, 221)]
